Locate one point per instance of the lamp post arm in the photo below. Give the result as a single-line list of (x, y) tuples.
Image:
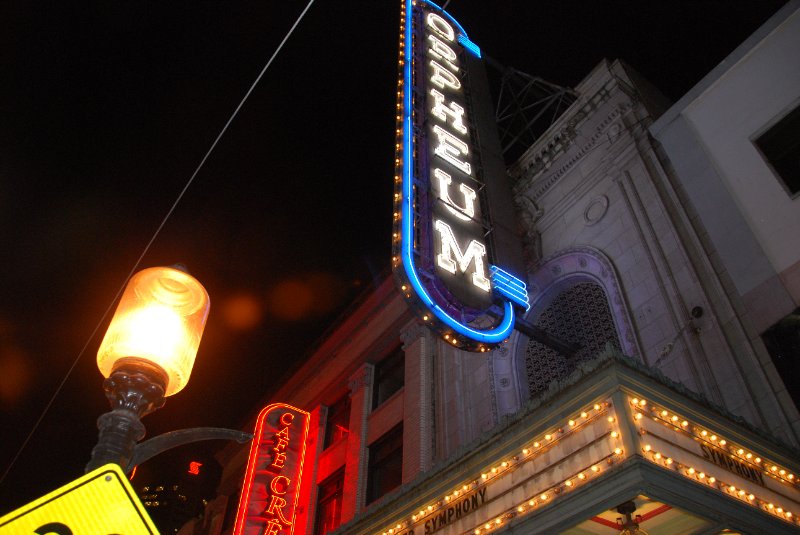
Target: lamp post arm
[(161, 443)]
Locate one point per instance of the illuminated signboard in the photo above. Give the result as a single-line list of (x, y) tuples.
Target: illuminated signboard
[(443, 239), (271, 485)]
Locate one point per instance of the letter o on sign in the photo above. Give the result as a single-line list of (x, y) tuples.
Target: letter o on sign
[(440, 26)]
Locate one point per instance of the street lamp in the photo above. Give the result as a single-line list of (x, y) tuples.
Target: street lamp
[(147, 354)]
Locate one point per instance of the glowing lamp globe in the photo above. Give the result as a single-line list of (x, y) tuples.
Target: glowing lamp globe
[(157, 327)]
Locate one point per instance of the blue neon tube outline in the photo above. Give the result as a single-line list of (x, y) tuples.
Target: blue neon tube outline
[(499, 333)]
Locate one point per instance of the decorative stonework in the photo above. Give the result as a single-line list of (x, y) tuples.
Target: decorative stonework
[(529, 213), (531, 176), (595, 210), (361, 379), (413, 332), (584, 263)]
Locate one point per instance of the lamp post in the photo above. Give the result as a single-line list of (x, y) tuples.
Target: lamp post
[(146, 355)]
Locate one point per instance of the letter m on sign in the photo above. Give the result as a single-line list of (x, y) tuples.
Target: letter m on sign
[(451, 257)]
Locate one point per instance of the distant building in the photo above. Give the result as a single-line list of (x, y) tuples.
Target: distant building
[(665, 242), (180, 494), (734, 144)]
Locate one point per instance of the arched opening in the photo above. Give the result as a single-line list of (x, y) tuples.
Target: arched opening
[(577, 312)]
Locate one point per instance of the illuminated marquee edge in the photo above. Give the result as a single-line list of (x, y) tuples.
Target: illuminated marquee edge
[(508, 288), (546, 440), (677, 423)]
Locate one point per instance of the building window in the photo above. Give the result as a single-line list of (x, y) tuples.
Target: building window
[(329, 503), (385, 471), (337, 423), (783, 344), (389, 376), (579, 314), (780, 146)]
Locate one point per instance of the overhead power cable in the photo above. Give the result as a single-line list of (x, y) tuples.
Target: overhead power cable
[(152, 240)]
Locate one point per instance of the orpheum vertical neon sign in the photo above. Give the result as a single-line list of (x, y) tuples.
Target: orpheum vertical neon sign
[(442, 237), (271, 485)]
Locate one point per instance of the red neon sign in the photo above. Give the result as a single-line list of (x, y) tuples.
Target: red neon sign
[(194, 468), (271, 486)]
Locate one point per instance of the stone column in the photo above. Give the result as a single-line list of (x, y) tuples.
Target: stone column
[(418, 345), (355, 471), (316, 430)]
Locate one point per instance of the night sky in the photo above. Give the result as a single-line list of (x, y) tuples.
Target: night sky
[(107, 108)]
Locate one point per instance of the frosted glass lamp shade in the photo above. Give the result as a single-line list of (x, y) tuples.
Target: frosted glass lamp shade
[(159, 319)]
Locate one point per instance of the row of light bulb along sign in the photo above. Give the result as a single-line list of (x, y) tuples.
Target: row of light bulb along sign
[(701, 435), (550, 439)]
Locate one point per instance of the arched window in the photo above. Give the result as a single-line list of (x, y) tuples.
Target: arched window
[(578, 313)]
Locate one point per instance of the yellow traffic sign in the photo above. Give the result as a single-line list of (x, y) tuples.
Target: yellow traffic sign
[(101, 502)]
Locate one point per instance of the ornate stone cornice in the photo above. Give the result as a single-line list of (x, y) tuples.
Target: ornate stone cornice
[(533, 176), (361, 379)]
